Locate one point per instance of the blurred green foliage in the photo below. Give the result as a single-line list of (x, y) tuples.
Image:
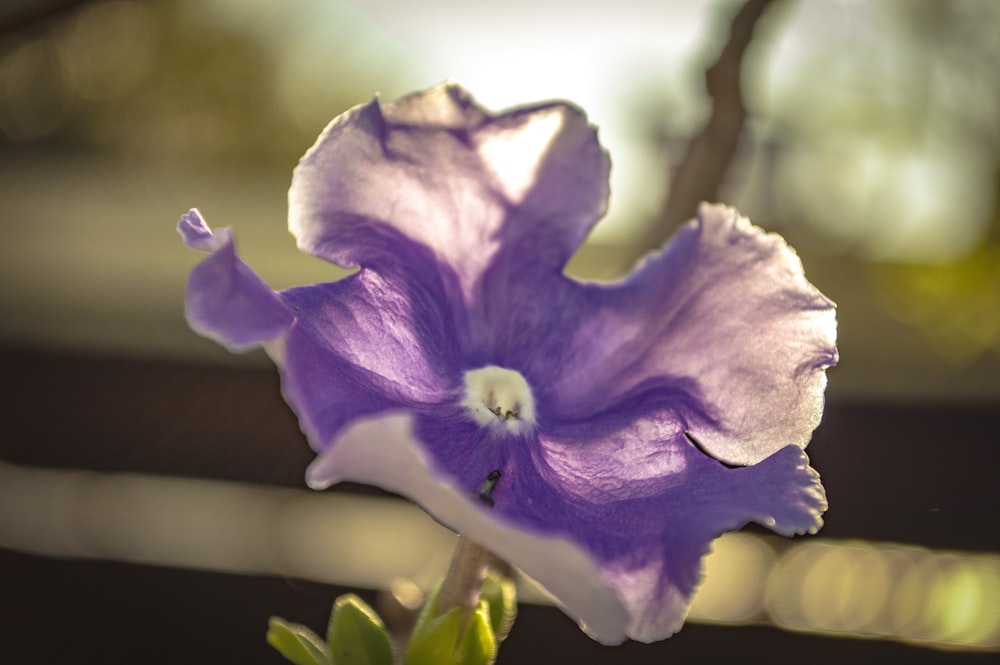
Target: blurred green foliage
[(167, 81)]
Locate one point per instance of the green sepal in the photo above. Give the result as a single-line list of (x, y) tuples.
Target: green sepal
[(479, 644), (356, 634), (501, 594), (297, 643), (452, 638)]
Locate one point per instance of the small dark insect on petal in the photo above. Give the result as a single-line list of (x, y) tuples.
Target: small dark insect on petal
[(701, 449), (487, 487)]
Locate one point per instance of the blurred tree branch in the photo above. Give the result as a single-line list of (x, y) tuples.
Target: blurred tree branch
[(704, 165)]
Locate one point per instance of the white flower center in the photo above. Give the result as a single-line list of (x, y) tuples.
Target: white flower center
[(500, 398)]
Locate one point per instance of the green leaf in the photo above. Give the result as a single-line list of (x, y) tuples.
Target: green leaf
[(297, 643), (479, 644), (501, 594), (433, 641), (453, 638), (356, 634)]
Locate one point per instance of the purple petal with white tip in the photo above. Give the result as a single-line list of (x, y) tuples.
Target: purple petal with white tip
[(726, 310), (384, 451), (439, 171)]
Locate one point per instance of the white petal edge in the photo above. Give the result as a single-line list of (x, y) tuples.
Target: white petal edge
[(383, 451)]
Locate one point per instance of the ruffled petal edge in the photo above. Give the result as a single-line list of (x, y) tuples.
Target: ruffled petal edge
[(226, 301)]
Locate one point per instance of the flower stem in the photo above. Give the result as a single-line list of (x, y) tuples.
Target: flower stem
[(464, 581)]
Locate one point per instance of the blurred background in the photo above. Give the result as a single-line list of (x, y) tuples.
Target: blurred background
[(151, 493)]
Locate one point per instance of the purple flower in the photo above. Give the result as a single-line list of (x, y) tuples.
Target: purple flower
[(598, 436)]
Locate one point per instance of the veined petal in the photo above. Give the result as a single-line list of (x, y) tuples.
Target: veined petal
[(618, 545), (646, 504), (384, 451), (724, 307), (361, 345), (365, 344), (226, 301), (437, 170)]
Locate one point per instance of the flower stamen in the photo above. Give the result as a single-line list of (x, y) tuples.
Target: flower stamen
[(497, 396), (504, 415)]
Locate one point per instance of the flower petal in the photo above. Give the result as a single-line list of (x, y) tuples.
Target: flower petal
[(226, 301), (384, 451), (646, 504), (365, 344), (724, 308), (629, 489), (438, 170), (620, 549)]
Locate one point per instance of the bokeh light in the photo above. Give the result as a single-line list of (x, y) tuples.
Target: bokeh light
[(948, 600)]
